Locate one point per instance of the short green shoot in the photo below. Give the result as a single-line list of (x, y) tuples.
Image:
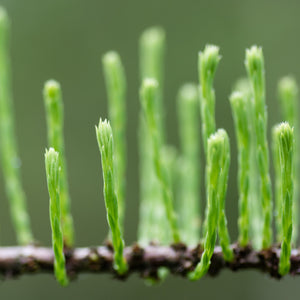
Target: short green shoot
[(106, 147), (288, 98), (54, 114), (53, 173), (215, 156), (284, 141)]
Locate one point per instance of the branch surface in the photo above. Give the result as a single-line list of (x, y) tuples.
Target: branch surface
[(179, 259)]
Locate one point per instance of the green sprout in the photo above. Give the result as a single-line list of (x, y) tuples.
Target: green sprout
[(189, 161), (9, 154), (53, 170), (217, 151), (207, 66), (284, 141), (288, 96), (116, 90), (106, 147), (152, 216), (221, 193), (255, 67), (240, 106), (54, 113), (149, 95)]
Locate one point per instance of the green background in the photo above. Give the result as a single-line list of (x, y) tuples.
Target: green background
[(65, 40)]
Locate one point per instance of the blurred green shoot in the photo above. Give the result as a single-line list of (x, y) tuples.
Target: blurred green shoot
[(9, 154), (207, 66), (288, 96), (240, 106), (243, 85), (284, 141), (116, 92), (53, 173), (152, 214), (106, 147), (189, 183), (55, 124), (148, 95), (255, 67)]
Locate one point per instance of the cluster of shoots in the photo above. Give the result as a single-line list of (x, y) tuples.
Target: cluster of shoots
[(170, 209)]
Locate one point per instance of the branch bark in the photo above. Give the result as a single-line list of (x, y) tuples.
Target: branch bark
[(179, 259)]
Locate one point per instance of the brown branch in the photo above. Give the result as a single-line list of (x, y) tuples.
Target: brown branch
[(179, 259)]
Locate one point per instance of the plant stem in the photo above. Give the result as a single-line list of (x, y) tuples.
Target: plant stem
[(106, 147), (9, 154), (55, 124), (256, 72)]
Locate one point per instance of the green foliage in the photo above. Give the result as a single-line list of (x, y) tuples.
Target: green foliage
[(116, 92), (54, 113), (162, 170), (255, 67), (189, 163), (9, 154), (106, 147), (284, 142), (53, 171)]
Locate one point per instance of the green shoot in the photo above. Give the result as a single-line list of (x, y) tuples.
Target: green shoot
[(53, 173), (9, 154), (240, 106), (221, 194), (243, 85), (106, 147), (148, 95), (215, 155), (207, 66), (116, 90), (189, 198), (288, 96), (255, 68), (284, 141), (54, 113), (152, 216)]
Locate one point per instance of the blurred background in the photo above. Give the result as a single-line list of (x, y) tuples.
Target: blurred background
[(64, 40)]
